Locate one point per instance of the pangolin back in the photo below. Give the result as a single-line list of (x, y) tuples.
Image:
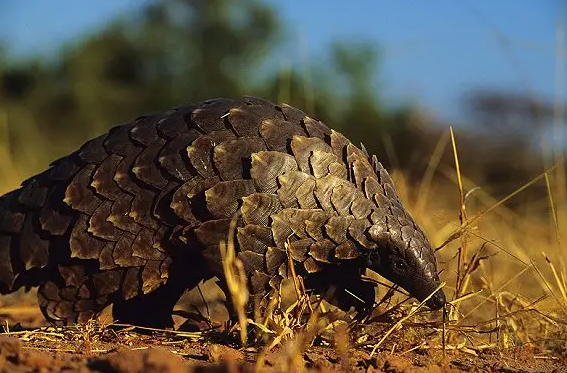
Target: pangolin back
[(135, 216)]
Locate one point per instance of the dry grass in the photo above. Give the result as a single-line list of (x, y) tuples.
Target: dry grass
[(505, 271), (504, 274)]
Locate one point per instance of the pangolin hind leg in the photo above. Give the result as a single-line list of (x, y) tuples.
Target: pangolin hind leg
[(155, 308), (77, 293)]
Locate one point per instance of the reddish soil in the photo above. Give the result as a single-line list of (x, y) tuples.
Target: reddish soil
[(125, 350), (186, 356)]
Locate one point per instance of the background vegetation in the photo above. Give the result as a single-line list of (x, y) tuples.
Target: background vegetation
[(178, 51)]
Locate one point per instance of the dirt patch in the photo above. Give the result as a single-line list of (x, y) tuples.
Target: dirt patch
[(41, 348), (164, 354)]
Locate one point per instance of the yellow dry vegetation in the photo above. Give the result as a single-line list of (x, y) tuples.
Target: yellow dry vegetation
[(503, 271)]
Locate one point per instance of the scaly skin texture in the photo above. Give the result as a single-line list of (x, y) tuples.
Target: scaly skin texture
[(135, 216)]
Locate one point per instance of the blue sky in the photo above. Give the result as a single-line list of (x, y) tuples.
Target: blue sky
[(434, 50)]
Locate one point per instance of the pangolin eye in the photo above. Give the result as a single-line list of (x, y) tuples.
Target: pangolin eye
[(399, 265)]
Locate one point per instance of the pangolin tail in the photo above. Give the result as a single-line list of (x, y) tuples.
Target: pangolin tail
[(26, 232), (13, 269)]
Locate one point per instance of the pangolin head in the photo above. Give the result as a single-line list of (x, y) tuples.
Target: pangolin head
[(404, 256)]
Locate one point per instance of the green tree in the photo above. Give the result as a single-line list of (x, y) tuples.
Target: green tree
[(171, 52)]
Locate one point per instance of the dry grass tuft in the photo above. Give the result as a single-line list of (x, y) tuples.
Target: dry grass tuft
[(236, 281), (504, 272), (505, 292)]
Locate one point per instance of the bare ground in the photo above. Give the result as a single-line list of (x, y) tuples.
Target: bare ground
[(31, 346), (150, 354)]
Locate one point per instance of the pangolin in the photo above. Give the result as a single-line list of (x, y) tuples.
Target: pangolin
[(134, 217)]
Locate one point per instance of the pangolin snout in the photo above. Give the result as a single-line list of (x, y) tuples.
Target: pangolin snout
[(437, 300), (429, 281)]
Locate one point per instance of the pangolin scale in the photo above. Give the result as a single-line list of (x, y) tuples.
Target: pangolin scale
[(135, 216)]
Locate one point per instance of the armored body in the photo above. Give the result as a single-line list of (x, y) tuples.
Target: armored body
[(135, 216)]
